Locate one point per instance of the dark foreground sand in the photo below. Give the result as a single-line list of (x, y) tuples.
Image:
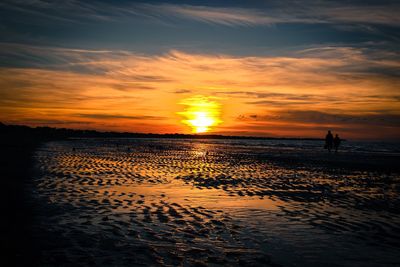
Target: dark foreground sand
[(198, 203), (16, 171)]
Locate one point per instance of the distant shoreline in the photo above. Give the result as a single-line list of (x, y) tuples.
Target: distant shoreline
[(50, 132), (199, 137)]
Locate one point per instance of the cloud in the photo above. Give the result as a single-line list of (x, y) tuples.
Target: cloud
[(329, 119), (133, 67), (278, 12), (375, 14), (219, 15), (115, 116), (276, 97), (182, 91), (308, 12), (39, 122), (279, 99), (273, 12), (68, 11), (150, 78), (143, 92)]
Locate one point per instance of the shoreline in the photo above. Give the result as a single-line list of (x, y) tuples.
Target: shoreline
[(50, 132)]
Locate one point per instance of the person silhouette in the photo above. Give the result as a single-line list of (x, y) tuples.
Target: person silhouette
[(329, 141), (336, 142)]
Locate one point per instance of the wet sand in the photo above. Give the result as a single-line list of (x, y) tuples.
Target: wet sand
[(124, 202)]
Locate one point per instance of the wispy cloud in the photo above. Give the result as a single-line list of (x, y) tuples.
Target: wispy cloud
[(324, 118), (114, 86), (309, 12), (377, 14), (116, 116), (220, 15), (68, 11), (276, 12), (182, 91)]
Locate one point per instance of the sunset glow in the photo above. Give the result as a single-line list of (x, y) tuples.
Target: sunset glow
[(272, 71), (201, 114), (200, 133)]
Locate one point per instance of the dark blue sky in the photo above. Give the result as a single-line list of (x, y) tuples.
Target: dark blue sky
[(231, 27)]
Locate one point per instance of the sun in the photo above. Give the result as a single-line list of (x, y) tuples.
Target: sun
[(201, 122), (201, 114)]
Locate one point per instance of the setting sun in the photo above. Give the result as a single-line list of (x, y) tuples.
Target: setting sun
[(201, 122), (201, 113)]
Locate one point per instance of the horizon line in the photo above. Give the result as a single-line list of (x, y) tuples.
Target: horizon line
[(179, 135)]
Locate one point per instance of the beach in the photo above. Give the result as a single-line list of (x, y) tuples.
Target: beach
[(200, 133), (141, 202)]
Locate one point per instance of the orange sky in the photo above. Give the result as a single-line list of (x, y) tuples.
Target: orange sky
[(276, 68), (300, 95)]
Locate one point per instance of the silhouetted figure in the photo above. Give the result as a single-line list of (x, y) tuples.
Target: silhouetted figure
[(336, 142), (329, 141)]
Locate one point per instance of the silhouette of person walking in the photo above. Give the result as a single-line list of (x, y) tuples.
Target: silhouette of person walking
[(336, 142), (329, 141)]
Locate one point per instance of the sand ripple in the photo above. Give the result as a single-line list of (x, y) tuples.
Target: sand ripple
[(176, 202)]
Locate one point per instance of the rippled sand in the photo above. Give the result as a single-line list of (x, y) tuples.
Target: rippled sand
[(177, 202)]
